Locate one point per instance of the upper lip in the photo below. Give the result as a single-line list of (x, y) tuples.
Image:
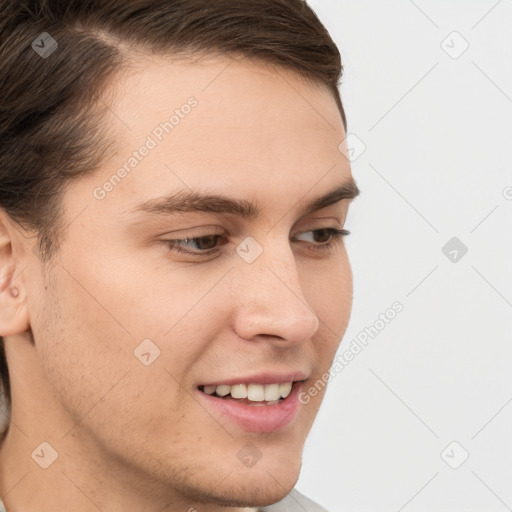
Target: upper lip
[(261, 378)]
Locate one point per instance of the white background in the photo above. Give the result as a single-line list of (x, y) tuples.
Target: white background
[(438, 134)]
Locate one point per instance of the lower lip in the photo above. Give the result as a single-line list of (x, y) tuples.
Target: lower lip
[(258, 418)]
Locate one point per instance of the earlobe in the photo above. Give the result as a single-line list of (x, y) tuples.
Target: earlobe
[(13, 307), (13, 312)]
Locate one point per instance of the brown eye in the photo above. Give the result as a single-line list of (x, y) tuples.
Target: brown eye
[(335, 235), (205, 244)]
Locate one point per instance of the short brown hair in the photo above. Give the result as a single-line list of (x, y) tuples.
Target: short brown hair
[(50, 114)]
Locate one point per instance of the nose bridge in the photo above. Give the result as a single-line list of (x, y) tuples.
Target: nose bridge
[(269, 296)]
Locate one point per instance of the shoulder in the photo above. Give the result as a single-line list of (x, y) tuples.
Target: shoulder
[(294, 502)]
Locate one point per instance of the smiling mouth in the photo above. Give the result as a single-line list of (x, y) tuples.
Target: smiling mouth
[(252, 393)]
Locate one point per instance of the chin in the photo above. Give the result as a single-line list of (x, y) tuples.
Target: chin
[(268, 484), (252, 492)]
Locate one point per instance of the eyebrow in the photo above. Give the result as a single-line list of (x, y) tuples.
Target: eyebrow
[(191, 201)]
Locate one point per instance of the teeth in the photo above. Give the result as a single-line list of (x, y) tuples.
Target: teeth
[(211, 389), (253, 392), (222, 390), (256, 393), (240, 391), (272, 392), (285, 389)]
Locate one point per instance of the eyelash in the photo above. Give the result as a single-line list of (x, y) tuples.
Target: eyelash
[(337, 236)]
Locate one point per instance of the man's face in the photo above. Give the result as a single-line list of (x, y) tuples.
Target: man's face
[(128, 328)]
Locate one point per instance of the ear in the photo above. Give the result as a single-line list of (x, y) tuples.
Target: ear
[(14, 317)]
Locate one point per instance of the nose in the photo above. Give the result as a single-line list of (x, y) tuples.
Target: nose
[(270, 301)]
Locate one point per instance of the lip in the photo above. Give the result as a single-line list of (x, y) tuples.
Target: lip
[(257, 418), (261, 378)]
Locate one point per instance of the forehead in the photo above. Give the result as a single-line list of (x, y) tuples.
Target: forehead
[(158, 82), (235, 99), (220, 123)]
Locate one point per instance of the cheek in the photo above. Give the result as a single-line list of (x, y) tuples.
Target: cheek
[(105, 320), (83, 346), (329, 292), (90, 365)]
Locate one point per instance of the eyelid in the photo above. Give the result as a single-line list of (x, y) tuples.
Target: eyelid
[(209, 230), (193, 233), (205, 230)]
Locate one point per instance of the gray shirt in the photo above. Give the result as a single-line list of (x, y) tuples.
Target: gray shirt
[(293, 502)]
